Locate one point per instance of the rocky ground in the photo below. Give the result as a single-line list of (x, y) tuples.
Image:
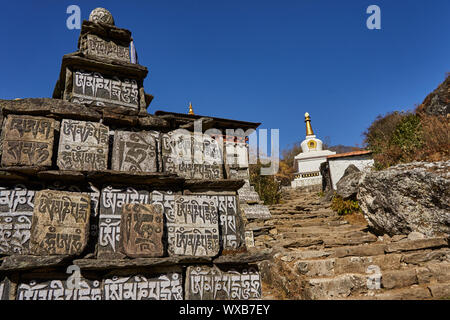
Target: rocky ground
[(317, 254)]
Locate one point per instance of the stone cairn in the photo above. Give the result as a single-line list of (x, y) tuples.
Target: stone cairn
[(101, 200)]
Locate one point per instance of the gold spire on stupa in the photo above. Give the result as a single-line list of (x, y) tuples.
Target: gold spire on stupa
[(191, 111), (309, 130)]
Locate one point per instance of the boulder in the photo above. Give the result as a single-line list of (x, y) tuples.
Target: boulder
[(347, 186), (406, 198)]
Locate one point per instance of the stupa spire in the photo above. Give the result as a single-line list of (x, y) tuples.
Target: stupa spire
[(309, 130)]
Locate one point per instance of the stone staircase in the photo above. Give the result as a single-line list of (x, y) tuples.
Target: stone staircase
[(318, 254)]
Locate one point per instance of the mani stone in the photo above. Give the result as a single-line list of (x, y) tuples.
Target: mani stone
[(83, 146), (4, 289), (190, 156), (195, 231), (94, 46), (69, 289), (247, 194), (101, 15), (256, 211), (249, 239), (60, 224), (16, 212), (236, 155), (94, 88), (28, 141), (212, 283), (141, 230), (239, 173), (112, 201), (135, 151), (162, 287), (231, 224)]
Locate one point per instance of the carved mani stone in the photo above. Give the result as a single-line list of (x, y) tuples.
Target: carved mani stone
[(111, 204), (60, 223), (195, 230), (212, 283), (28, 141), (256, 211), (92, 45), (162, 287), (83, 146), (190, 156), (141, 230), (101, 15), (16, 212), (135, 151), (95, 88), (70, 289)]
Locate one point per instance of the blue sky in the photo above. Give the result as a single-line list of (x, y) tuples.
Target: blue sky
[(261, 61)]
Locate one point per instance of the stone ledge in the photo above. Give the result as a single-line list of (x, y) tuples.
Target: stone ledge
[(97, 264), (245, 257), (411, 245), (27, 262)]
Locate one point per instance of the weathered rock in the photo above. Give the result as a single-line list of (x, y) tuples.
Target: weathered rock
[(437, 103), (28, 141), (244, 257), (398, 278), (60, 224), (26, 262), (141, 230), (419, 244), (206, 283), (347, 186), (405, 198)]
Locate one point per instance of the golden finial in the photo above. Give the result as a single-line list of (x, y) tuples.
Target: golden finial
[(309, 130), (191, 111)]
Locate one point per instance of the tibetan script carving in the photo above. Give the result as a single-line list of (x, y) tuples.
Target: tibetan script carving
[(242, 173), (60, 223), (59, 290), (248, 194), (236, 154), (97, 89), (135, 151), (249, 239), (93, 45), (206, 283), (141, 230), (196, 229), (28, 141), (256, 211), (111, 203), (83, 146), (16, 212), (190, 156), (164, 287)]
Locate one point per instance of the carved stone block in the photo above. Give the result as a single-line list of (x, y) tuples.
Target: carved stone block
[(190, 156), (141, 230), (83, 145), (98, 89), (94, 46), (16, 212), (28, 141), (60, 290), (162, 287), (256, 211), (112, 201), (212, 283), (135, 151), (196, 229), (60, 223)]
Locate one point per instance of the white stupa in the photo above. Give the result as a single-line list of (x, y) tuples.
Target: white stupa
[(309, 160)]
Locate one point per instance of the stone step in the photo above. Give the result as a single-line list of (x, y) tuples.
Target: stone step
[(339, 287)]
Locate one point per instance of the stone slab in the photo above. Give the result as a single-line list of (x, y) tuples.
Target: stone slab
[(195, 230), (249, 239), (28, 141), (83, 145), (141, 230), (236, 155), (94, 46), (212, 283), (16, 212), (135, 151), (111, 203), (4, 289), (190, 156), (162, 287), (60, 223), (98, 89), (256, 211), (59, 290)]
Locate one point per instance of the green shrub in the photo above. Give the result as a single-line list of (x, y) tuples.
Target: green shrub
[(342, 206), (268, 188)]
